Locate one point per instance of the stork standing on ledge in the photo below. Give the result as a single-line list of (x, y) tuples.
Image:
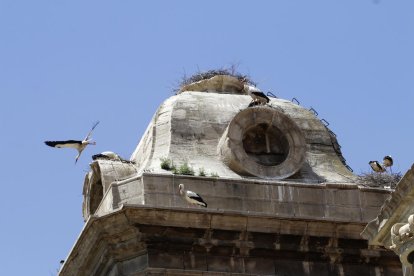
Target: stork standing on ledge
[(258, 96), (191, 197), (75, 144), (376, 166)]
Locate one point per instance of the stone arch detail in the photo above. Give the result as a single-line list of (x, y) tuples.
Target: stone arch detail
[(264, 142)]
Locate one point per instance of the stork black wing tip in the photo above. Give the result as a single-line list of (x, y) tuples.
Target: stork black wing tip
[(49, 143)]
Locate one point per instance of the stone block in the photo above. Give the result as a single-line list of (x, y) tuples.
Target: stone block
[(293, 227), (225, 203), (358, 269), (259, 266), (283, 209), (370, 213), (195, 261), (373, 199), (266, 225), (319, 269), (228, 223), (165, 259), (321, 229), (134, 265), (229, 189), (349, 230), (343, 197), (255, 191), (310, 195), (261, 206), (343, 213), (283, 193), (225, 264), (311, 210), (285, 267)]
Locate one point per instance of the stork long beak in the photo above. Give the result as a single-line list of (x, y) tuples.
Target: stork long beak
[(89, 142)]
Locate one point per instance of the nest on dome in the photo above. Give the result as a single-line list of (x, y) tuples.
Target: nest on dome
[(215, 79)]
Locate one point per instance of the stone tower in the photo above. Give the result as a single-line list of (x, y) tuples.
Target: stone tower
[(281, 200)]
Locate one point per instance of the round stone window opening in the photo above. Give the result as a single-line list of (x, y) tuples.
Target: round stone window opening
[(266, 144)]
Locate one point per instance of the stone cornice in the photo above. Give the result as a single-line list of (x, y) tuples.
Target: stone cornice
[(395, 210)]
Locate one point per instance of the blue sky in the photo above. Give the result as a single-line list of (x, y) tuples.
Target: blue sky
[(66, 64)]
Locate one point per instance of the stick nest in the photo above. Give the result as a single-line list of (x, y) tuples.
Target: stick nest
[(231, 71), (383, 180)]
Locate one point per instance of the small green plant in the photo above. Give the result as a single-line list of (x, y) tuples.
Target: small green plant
[(214, 174), (201, 172), (166, 164), (185, 169)]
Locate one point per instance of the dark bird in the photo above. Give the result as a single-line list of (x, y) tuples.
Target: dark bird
[(257, 95), (376, 166), (76, 144), (191, 197), (387, 161), (110, 155), (107, 155)]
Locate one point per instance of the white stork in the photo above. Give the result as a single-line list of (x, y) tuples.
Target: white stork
[(107, 155), (376, 166), (387, 162), (257, 95), (75, 144), (191, 197), (110, 155)]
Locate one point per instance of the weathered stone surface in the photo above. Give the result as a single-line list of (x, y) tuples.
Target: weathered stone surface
[(138, 240), (393, 228), (189, 126), (316, 201), (266, 215)]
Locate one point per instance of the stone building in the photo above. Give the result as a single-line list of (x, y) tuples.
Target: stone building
[(281, 200), (393, 228)]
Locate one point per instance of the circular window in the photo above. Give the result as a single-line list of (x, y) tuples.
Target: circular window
[(266, 144), (263, 142)]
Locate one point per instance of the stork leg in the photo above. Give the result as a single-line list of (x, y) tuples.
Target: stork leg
[(77, 157)]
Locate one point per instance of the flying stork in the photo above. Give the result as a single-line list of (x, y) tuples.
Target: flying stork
[(376, 166), (75, 144), (191, 197)]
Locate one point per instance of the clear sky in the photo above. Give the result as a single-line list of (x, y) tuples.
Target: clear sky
[(66, 64)]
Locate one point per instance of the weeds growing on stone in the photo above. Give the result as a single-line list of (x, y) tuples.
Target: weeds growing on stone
[(201, 172)]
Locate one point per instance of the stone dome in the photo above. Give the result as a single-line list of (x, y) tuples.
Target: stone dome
[(213, 129)]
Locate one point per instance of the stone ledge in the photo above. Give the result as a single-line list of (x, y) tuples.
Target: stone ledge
[(132, 234)]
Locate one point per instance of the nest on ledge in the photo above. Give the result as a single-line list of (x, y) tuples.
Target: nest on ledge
[(382, 180)]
